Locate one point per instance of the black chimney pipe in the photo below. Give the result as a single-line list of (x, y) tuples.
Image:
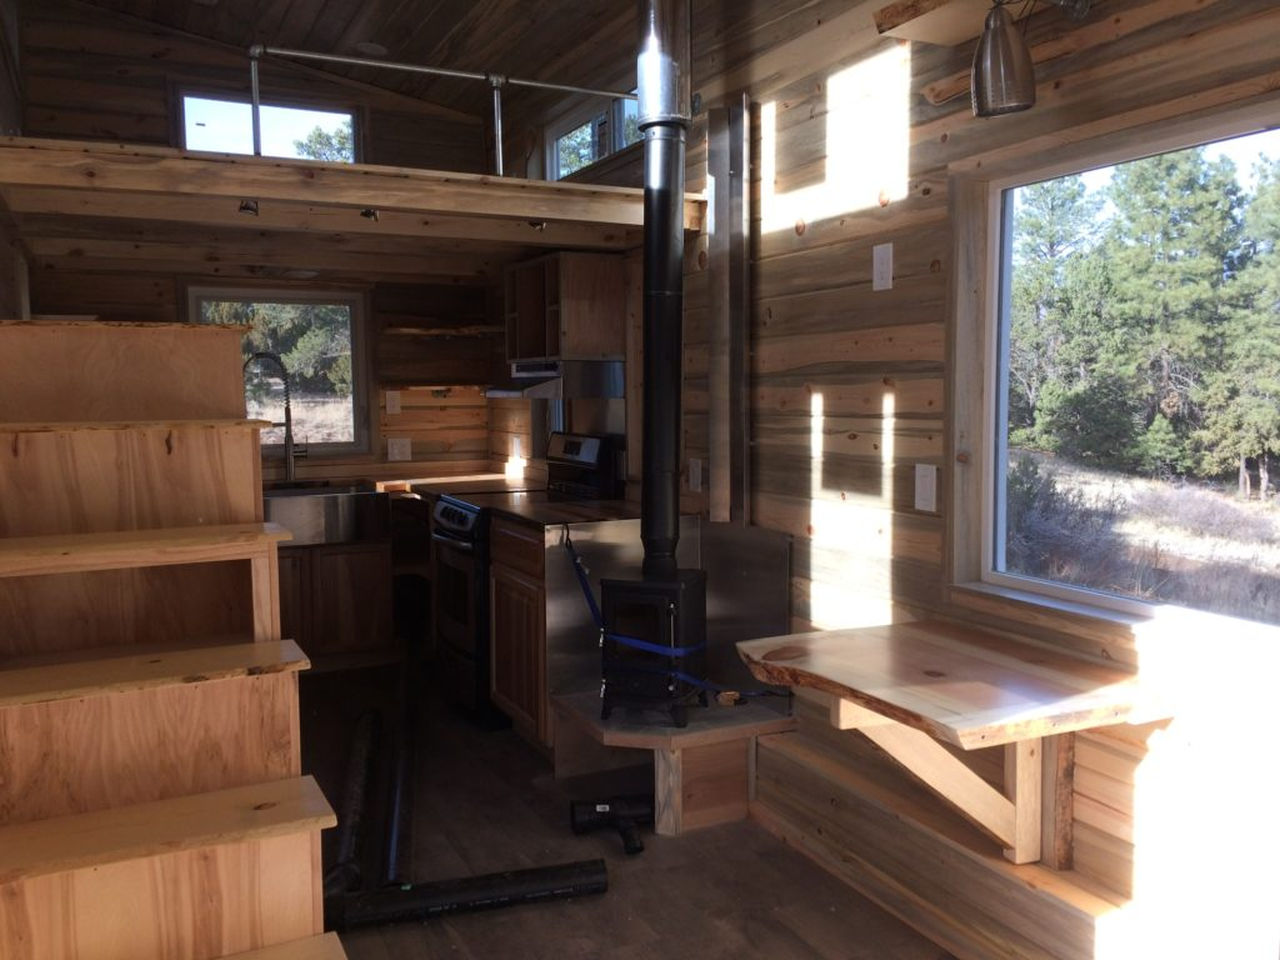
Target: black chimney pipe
[(663, 88)]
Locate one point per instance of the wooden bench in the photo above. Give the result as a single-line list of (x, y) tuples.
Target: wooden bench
[(913, 687), (702, 772)]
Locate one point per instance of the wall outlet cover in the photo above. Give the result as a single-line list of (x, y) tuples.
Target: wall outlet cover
[(399, 448), (926, 488), (882, 266), (393, 401), (695, 474)]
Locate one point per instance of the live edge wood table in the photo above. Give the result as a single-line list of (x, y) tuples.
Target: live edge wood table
[(913, 688), (702, 773)]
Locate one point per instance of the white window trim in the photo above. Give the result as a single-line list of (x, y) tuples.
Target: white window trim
[(360, 370), (234, 97), (977, 212)]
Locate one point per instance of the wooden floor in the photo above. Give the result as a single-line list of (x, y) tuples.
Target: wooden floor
[(486, 802)]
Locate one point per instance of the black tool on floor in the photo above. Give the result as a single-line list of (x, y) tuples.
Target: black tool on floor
[(345, 873), (624, 814)]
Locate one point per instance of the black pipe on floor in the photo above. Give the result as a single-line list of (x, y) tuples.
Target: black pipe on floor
[(399, 865), (345, 873), (423, 901)]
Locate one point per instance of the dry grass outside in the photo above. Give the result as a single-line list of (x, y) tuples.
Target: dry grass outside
[(316, 419), (1165, 541)]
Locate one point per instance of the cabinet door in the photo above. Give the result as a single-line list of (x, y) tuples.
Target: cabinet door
[(293, 595), (518, 649), (351, 598), (591, 306), (526, 311)]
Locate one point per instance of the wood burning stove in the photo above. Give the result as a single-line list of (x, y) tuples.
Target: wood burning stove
[(654, 648)]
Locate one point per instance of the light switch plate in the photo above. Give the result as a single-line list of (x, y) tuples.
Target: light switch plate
[(393, 401), (882, 266), (695, 474), (399, 448), (926, 487)]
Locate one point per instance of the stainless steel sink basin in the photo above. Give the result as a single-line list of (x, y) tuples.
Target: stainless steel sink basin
[(332, 513)]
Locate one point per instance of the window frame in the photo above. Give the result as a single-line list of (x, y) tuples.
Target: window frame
[(181, 93), (614, 122), (981, 248), (361, 379)]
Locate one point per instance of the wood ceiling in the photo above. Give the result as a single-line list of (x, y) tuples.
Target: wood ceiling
[(560, 41)]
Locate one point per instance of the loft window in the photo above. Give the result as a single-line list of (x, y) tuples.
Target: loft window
[(580, 139), (226, 126), (1137, 400), (317, 337)]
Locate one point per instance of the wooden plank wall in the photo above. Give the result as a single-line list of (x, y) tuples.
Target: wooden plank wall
[(10, 72), (448, 427), (89, 74)]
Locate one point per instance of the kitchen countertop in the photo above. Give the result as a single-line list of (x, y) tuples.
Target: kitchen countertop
[(537, 506), (472, 484)]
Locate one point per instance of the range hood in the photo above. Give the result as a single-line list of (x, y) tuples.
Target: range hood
[(553, 379)]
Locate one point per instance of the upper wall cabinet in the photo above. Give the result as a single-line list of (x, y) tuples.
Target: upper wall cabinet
[(566, 306)]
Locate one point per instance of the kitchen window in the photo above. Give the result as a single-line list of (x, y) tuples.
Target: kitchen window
[(1133, 364), (583, 137), (317, 336), (223, 125)]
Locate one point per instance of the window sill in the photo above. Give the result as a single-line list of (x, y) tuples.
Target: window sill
[(1157, 637)]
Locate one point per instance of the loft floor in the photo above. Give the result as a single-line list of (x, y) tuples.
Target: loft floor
[(486, 802)]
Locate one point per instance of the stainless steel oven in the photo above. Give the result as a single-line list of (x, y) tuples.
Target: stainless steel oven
[(460, 599)]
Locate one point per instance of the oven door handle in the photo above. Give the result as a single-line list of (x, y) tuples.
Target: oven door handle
[(463, 546)]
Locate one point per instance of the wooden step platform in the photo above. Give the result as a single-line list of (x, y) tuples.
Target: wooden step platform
[(257, 812), (702, 772), (140, 370), (85, 731), (76, 675), (197, 877), (325, 947), (79, 553)]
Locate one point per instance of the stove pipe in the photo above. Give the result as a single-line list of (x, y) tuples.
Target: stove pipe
[(663, 87)]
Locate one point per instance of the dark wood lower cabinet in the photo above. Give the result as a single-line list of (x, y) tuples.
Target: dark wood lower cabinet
[(518, 681), (336, 598)]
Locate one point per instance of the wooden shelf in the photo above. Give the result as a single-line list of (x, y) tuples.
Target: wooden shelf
[(75, 675), (963, 686), (242, 814), (79, 553), (946, 23), (324, 947), (715, 724), (121, 425)]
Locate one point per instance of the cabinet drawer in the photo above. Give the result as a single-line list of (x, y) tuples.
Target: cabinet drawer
[(517, 545)]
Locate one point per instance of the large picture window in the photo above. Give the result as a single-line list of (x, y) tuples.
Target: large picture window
[(1137, 433), (316, 336)]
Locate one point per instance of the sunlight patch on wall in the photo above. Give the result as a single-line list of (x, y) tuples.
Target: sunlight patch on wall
[(867, 147), (858, 594)]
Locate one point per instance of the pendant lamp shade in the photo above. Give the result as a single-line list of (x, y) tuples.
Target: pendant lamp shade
[(1003, 79)]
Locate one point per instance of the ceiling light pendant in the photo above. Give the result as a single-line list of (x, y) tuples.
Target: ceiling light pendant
[(1003, 79)]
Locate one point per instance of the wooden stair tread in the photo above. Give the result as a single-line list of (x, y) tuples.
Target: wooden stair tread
[(958, 684), (77, 553), (82, 674), (238, 815), (327, 946), (119, 425)]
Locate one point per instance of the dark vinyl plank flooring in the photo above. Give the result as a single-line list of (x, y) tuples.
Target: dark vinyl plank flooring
[(486, 802)]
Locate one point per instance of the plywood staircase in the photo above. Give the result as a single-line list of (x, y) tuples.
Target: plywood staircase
[(151, 799)]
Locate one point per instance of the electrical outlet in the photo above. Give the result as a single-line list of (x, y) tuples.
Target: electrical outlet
[(399, 448), (926, 488), (393, 401), (882, 266), (695, 474)]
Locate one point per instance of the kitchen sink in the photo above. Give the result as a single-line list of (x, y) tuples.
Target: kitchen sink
[(318, 512)]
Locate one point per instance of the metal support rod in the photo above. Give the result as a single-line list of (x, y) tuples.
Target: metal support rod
[(497, 82), (256, 99), (437, 71)]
